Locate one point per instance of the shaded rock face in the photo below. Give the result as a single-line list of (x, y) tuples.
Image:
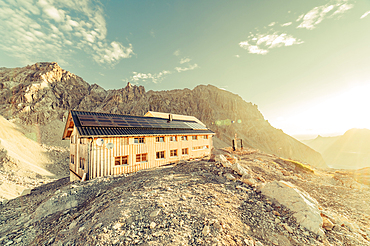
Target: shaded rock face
[(43, 92)]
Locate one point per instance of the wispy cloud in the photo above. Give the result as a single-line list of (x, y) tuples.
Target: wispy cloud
[(286, 24), (65, 26), (160, 76), (155, 78), (365, 14), (183, 69), (261, 43), (316, 15), (184, 60), (176, 53)]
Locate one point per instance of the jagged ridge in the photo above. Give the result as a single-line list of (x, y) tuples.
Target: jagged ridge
[(44, 92)]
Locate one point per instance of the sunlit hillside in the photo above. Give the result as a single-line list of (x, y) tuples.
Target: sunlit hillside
[(350, 151)]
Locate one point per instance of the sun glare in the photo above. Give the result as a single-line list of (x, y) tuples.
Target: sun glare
[(332, 115)]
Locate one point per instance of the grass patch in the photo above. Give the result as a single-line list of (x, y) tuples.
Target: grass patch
[(300, 165)]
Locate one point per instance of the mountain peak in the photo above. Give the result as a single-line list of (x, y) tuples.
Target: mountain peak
[(129, 85), (44, 66)]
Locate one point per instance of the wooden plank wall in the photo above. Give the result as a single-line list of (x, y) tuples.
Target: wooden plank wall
[(102, 160)]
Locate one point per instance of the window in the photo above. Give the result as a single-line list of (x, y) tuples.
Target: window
[(185, 151), (173, 152), (160, 155), (121, 160), (173, 138), (138, 140), (194, 137), (82, 141), (73, 139), (141, 157), (82, 163), (184, 138), (73, 159), (159, 139), (205, 137), (206, 147), (198, 147), (124, 141)]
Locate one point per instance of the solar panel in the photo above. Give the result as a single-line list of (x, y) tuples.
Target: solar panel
[(194, 125), (133, 122)]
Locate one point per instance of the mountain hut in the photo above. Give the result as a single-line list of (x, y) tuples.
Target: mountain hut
[(104, 144)]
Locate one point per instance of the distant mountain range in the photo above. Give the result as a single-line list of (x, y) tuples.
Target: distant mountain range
[(351, 150), (44, 92)]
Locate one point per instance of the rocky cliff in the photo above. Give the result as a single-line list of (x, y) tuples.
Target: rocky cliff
[(44, 92)]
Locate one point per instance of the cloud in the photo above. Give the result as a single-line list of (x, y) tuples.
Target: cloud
[(253, 49), (183, 69), (176, 53), (316, 15), (261, 43), (158, 77), (184, 60), (155, 78), (55, 29), (112, 53), (365, 14), (286, 24)]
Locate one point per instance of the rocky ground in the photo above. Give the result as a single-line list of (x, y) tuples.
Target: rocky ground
[(197, 202), (15, 179)]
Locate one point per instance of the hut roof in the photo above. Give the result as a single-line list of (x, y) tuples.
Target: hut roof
[(104, 124)]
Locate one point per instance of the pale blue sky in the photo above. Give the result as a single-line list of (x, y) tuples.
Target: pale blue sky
[(288, 57)]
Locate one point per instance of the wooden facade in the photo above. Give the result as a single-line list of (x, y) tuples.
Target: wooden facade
[(97, 156)]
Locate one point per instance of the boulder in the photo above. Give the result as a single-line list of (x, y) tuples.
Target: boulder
[(224, 161), (241, 170), (250, 182), (230, 176), (26, 192), (305, 207), (327, 224)]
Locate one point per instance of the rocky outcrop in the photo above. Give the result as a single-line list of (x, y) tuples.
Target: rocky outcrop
[(305, 208), (39, 93), (43, 92)]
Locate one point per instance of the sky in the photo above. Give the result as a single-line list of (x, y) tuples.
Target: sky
[(304, 63)]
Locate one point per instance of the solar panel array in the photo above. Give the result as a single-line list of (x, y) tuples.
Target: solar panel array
[(195, 125), (134, 122)]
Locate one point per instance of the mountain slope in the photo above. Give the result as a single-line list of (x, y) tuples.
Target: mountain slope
[(43, 92), (351, 150), (320, 144)]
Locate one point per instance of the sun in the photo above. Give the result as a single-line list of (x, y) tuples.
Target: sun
[(334, 114)]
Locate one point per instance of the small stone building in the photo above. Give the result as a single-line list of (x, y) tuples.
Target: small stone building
[(109, 144)]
